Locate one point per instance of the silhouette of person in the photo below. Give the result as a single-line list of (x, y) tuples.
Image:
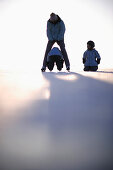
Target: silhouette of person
[(91, 57), (55, 56), (55, 33)]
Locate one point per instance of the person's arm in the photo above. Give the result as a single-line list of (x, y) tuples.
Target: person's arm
[(84, 57), (98, 58), (49, 34), (62, 31)]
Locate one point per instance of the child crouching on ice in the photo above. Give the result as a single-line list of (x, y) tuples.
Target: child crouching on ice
[(91, 57), (54, 57)]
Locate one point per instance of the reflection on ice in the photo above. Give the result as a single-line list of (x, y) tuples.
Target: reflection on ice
[(64, 124), (17, 89), (105, 76), (68, 77)]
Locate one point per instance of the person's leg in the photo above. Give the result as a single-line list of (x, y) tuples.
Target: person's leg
[(62, 62), (93, 68), (58, 63), (48, 48), (64, 53), (86, 68), (50, 64)]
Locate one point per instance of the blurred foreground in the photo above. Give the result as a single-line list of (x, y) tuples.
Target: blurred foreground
[(56, 121)]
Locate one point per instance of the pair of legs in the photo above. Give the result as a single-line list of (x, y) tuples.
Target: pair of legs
[(90, 68), (55, 59), (63, 50)]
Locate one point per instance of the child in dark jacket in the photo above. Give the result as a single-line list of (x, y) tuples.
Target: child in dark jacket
[(91, 57), (55, 56)]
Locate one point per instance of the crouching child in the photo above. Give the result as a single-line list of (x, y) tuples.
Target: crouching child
[(91, 57), (54, 57)]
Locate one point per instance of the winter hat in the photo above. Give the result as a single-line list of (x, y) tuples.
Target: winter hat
[(91, 43), (53, 17)]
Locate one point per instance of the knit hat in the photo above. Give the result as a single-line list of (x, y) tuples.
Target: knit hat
[(91, 43)]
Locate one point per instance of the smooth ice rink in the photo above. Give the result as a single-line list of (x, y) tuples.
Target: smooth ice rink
[(56, 120)]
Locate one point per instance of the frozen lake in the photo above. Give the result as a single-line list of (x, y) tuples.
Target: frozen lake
[(56, 120)]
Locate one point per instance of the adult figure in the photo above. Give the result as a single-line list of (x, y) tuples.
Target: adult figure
[(55, 33)]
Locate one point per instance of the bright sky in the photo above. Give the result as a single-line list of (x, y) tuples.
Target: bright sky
[(23, 30)]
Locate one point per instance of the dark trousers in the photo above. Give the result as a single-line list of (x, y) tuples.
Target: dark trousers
[(63, 50), (55, 59), (90, 68)]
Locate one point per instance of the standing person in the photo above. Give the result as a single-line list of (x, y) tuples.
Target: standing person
[(91, 57), (55, 33)]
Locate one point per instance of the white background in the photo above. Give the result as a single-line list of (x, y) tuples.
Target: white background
[(23, 31)]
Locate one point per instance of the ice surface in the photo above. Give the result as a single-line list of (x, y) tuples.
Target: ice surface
[(56, 120)]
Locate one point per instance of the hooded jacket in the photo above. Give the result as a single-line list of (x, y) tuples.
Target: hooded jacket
[(91, 57), (54, 52), (55, 30)]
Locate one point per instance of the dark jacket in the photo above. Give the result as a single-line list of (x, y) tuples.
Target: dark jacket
[(91, 57), (54, 52), (55, 31)]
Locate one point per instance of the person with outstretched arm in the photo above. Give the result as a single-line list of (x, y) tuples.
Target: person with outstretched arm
[(55, 34)]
